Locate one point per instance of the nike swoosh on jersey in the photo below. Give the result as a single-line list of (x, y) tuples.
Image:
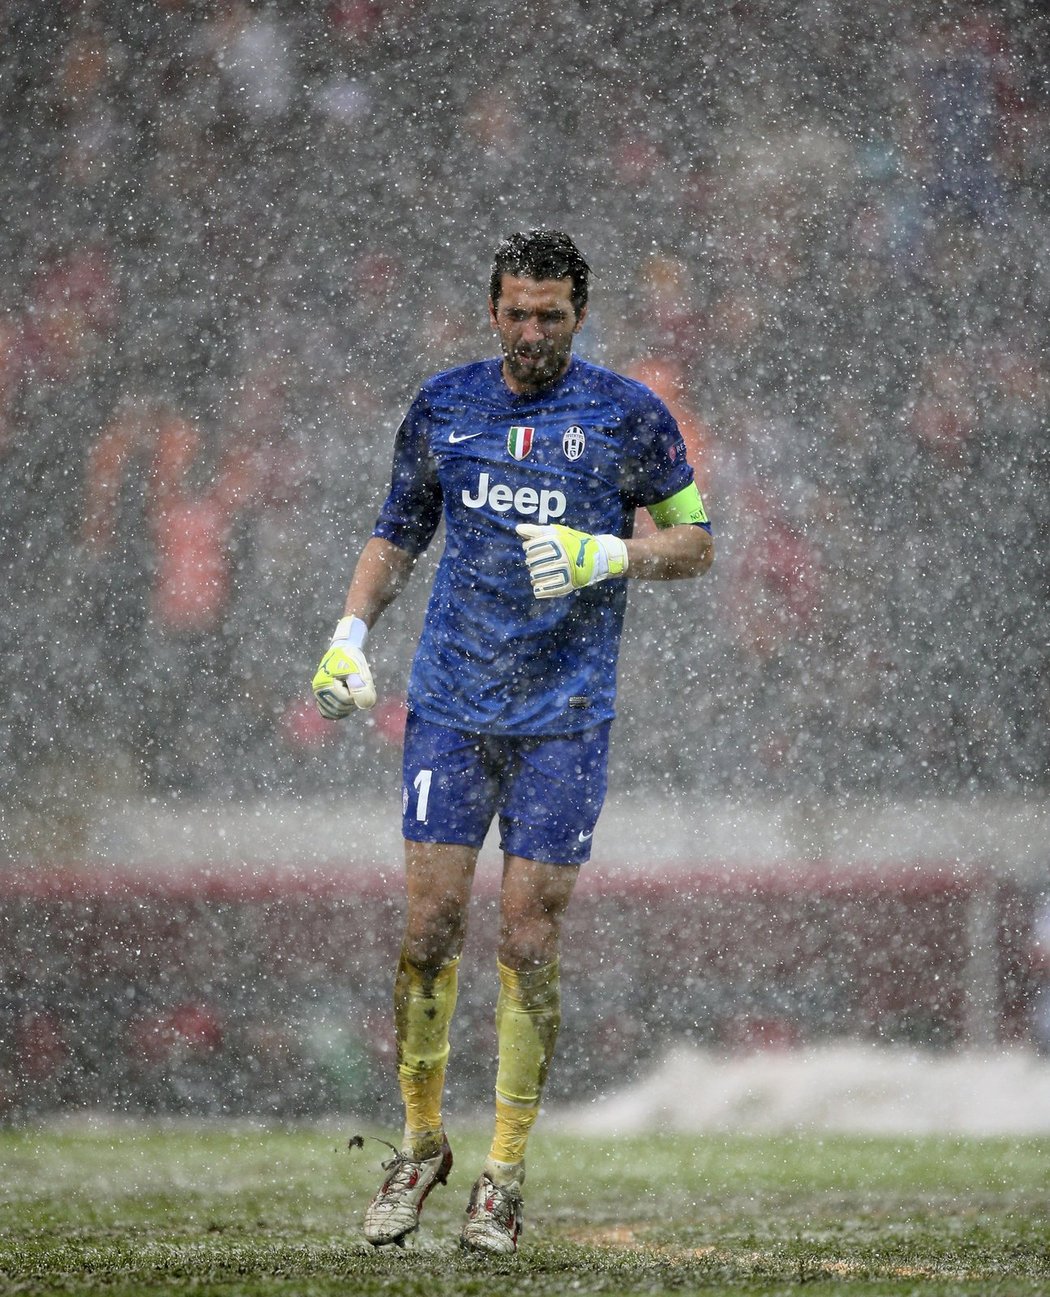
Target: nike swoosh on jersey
[(584, 836), (456, 437)]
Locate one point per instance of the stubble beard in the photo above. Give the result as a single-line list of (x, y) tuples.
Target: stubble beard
[(535, 372)]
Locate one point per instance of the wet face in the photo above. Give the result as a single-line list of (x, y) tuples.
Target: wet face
[(535, 320)]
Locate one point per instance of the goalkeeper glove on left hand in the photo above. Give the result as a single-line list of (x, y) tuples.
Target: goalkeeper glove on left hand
[(343, 680), (561, 559)]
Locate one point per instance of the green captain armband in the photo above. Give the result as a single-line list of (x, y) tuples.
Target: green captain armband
[(682, 508)]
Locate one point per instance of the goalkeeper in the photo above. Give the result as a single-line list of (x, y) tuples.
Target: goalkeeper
[(537, 460)]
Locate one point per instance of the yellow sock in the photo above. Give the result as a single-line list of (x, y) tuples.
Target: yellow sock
[(423, 1007), (528, 1014)]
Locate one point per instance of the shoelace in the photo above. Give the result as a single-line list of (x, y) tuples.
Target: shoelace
[(501, 1204), (402, 1166), (404, 1172)]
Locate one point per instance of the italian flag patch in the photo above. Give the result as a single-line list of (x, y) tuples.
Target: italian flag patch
[(519, 441)]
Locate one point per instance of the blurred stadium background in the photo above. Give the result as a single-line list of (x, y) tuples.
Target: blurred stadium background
[(238, 235)]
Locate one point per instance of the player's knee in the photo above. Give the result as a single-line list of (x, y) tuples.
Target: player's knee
[(433, 938), (529, 943), (530, 929)]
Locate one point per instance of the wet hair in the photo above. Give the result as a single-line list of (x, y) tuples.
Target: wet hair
[(541, 254)]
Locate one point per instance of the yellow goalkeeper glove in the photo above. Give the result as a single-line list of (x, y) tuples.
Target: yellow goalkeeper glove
[(343, 680), (561, 559)]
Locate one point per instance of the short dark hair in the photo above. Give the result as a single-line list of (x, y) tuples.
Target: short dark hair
[(541, 254)]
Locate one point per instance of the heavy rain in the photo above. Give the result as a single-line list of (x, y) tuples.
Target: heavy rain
[(237, 238)]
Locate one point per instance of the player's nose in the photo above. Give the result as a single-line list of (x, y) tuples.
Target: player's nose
[(531, 330)]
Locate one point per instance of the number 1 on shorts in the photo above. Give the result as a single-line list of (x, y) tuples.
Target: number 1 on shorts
[(421, 784)]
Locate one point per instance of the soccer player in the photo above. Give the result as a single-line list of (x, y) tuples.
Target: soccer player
[(537, 460)]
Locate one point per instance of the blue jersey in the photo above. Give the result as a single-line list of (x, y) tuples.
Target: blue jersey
[(585, 452)]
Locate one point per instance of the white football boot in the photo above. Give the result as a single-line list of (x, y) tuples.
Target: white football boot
[(394, 1211), (494, 1217)]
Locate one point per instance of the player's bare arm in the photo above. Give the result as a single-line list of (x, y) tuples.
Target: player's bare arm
[(673, 554), (381, 574)]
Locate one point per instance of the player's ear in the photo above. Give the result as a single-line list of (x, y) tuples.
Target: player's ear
[(492, 312), (581, 315)]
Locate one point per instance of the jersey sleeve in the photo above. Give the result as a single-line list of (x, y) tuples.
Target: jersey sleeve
[(655, 466), (412, 509)]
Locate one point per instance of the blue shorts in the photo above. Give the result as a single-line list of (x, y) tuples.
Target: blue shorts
[(548, 792)]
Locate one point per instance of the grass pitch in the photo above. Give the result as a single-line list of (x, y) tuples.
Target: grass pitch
[(256, 1212)]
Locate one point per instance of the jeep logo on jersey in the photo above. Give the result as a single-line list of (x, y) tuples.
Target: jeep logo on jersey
[(573, 442), (519, 441), (526, 500)]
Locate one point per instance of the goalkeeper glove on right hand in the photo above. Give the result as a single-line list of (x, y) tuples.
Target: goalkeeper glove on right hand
[(343, 680), (561, 559)]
